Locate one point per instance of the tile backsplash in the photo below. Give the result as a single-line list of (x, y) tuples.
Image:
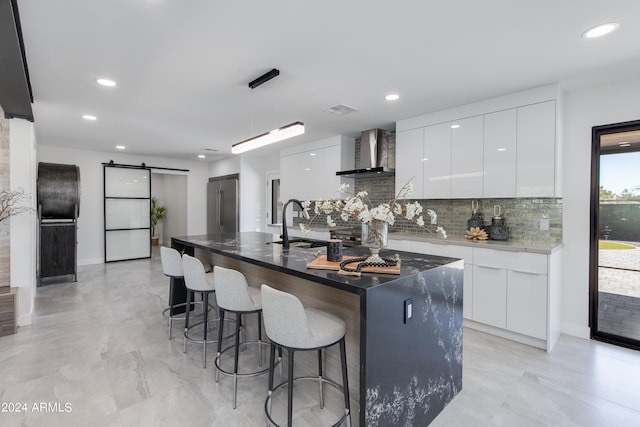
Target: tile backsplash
[(522, 215)]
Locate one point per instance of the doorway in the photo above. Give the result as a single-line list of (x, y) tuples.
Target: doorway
[(170, 188), (615, 234)]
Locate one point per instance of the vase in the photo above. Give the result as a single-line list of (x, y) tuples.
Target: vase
[(374, 236)]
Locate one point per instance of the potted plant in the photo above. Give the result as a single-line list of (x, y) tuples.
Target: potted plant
[(158, 214)]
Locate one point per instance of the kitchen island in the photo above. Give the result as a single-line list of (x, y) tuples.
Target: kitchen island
[(404, 332)]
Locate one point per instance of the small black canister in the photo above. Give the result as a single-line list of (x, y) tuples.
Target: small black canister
[(476, 219), (498, 230), (334, 250)]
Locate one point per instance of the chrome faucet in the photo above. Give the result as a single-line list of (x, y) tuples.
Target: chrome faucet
[(285, 234)]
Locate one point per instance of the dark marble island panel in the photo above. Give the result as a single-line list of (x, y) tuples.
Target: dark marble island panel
[(402, 371)]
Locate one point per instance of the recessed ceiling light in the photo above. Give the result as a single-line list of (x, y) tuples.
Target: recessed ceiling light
[(121, 147), (202, 156), (89, 117), (625, 144), (392, 97), (502, 149), (106, 82), (425, 159), (600, 30), (307, 169), (455, 126), (312, 154)]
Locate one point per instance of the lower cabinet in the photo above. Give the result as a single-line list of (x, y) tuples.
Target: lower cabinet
[(526, 304), (490, 296), (509, 293)]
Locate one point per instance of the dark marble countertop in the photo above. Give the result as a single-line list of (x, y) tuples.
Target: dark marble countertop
[(258, 248)]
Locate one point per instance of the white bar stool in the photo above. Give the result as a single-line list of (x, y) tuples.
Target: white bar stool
[(172, 267), (234, 295), (196, 280), (291, 326)]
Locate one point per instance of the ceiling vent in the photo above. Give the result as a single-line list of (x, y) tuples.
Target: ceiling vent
[(340, 110), (213, 150)]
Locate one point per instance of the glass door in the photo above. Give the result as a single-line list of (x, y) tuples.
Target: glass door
[(615, 257)]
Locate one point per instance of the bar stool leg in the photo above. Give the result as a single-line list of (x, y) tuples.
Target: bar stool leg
[(220, 328), (170, 317), (272, 356), (186, 319), (259, 339), (280, 364), (345, 381), (320, 382), (235, 362), (205, 301), (291, 352)]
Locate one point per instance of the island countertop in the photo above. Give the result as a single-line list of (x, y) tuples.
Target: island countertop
[(258, 248)]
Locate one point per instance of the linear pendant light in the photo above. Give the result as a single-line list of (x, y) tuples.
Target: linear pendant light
[(282, 133)]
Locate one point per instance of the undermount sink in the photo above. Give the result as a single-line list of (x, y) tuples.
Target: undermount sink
[(302, 243)]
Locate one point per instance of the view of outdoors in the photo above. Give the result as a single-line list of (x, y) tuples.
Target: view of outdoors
[(619, 246)]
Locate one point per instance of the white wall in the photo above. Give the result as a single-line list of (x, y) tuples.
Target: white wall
[(583, 109), (23, 227), (91, 221)]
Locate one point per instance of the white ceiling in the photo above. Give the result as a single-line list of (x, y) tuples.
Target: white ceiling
[(182, 66)]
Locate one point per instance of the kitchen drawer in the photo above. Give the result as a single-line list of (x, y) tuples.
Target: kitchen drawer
[(515, 261), (453, 251)]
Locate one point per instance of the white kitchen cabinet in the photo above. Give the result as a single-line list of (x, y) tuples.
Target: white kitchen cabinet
[(500, 154), (467, 157), (527, 303), (513, 294), (437, 161), (536, 154), (409, 155), (308, 171), (490, 296)]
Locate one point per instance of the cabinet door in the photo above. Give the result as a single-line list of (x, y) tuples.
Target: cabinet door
[(409, 155), (500, 154), (527, 304), (437, 161), (467, 157), (536, 157), (490, 296), (288, 177), (326, 179)]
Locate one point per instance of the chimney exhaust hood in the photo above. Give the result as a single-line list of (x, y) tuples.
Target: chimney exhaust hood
[(376, 156)]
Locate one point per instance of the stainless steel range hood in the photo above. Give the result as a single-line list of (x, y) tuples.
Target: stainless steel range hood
[(376, 156)]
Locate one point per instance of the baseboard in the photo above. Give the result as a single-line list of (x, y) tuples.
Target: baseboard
[(576, 330), (90, 261), (24, 320)]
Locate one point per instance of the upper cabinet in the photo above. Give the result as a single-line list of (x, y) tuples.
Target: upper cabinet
[(437, 161), (467, 157), (500, 154), (536, 158), (502, 147), (308, 171), (409, 158)]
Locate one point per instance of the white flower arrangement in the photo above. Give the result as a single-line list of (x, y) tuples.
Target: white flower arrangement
[(359, 207)]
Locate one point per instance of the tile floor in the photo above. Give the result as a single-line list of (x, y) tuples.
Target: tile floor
[(97, 354)]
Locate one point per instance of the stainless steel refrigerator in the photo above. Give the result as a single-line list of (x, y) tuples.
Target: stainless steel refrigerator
[(222, 204)]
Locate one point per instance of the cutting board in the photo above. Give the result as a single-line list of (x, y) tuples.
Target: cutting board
[(321, 263)]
